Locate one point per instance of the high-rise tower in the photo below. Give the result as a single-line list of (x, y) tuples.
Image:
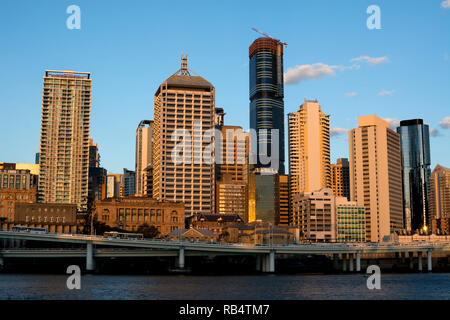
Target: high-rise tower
[(266, 95), (144, 157), (183, 128), (375, 176), (309, 149), (64, 149), (415, 143)]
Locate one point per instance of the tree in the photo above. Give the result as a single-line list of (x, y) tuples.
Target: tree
[(148, 231)]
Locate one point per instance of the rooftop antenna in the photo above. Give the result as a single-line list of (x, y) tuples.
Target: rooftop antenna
[(184, 65)]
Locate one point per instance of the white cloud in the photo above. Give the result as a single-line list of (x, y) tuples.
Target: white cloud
[(434, 132), (370, 60), (445, 4), (386, 92), (307, 72), (393, 123), (445, 123), (334, 132), (351, 94)]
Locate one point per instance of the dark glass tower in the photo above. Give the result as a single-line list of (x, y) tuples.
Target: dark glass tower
[(266, 94), (415, 149)]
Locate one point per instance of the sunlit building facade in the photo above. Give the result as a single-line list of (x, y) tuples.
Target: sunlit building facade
[(65, 127)]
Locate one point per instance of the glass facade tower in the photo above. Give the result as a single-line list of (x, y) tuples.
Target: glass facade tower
[(266, 95), (415, 151)]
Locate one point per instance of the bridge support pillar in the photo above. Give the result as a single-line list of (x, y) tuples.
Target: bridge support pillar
[(271, 261), (358, 262), (259, 262), (419, 260), (181, 258), (90, 262), (2, 262), (430, 263), (351, 257), (344, 262)]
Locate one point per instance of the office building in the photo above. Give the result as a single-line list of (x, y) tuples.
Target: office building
[(184, 111), (55, 217), (129, 213), (350, 221), (232, 171), (315, 215), (415, 151), (264, 196), (340, 178), (439, 193), (15, 186), (309, 149), (114, 185), (284, 200), (64, 149), (266, 97), (375, 176), (144, 157), (129, 183)]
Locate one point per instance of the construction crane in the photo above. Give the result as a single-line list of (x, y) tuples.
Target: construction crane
[(265, 34)]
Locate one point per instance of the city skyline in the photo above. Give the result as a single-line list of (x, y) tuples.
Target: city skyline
[(388, 88)]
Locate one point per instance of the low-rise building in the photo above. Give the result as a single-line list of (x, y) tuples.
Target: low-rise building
[(128, 213), (55, 217), (315, 214), (193, 234), (215, 222), (351, 221)]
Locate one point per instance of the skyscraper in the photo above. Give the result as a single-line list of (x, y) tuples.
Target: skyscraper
[(183, 128), (144, 156), (64, 149), (266, 95), (415, 151), (340, 179), (439, 193), (309, 149), (264, 196), (375, 176), (232, 171), (129, 182)]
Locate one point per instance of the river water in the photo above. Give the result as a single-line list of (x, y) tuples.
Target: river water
[(258, 287)]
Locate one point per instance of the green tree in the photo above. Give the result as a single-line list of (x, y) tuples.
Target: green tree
[(148, 231)]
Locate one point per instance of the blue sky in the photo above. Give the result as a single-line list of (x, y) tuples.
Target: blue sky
[(130, 47)]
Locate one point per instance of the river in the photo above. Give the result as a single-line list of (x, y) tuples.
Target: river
[(257, 287)]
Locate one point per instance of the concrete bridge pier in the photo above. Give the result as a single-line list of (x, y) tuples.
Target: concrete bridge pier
[(259, 262), (2, 263), (419, 260), (358, 262), (344, 262), (271, 259), (181, 258), (430, 263), (351, 258), (90, 262)]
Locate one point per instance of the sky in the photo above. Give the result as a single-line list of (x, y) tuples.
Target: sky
[(399, 71)]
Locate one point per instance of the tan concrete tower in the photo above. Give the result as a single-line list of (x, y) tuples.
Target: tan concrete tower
[(375, 176), (184, 117), (144, 157), (309, 149), (64, 149)]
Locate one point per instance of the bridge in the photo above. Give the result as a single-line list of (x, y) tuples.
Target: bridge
[(350, 253)]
